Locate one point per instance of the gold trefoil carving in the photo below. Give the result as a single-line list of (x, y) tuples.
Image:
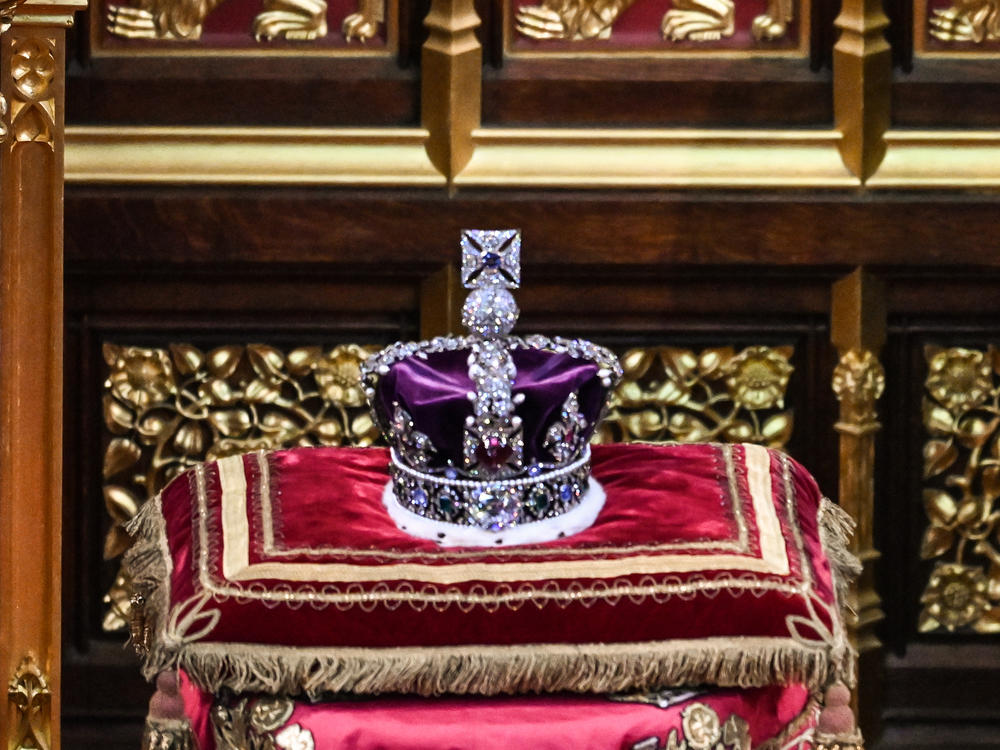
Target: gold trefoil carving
[(297, 20), (170, 409), (691, 20), (673, 394), (33, 108), (974, 21), (961, 414), (28, 691)]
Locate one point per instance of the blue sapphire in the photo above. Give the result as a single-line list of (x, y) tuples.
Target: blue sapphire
[(534, 470), (419, 498), (450, 473), (565, 492), (491, 260)]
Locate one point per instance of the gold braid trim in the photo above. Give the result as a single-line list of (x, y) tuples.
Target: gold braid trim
[(838, 742), (494, 670)]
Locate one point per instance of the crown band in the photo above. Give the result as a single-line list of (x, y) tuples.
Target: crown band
[(492, 505)]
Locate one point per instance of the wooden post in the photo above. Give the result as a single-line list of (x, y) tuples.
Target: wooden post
[(858, 331), (441, 298), (32, 65), (862, 78)]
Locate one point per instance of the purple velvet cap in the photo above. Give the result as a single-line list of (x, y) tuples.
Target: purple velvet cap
[(434, 392)]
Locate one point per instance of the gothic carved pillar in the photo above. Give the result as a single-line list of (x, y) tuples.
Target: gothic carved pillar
[(32, 65), (858, 331)]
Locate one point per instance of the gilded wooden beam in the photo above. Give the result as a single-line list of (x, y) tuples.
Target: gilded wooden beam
[(858, 330), (862, 77), (451, 85), (32, 65)]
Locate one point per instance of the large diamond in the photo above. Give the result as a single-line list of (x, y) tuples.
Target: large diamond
[(496, 509)]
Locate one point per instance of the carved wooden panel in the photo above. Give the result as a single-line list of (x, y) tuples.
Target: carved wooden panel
[(961, 416), (348, 27)]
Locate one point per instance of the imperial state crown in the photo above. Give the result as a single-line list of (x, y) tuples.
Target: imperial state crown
[(489, 433)]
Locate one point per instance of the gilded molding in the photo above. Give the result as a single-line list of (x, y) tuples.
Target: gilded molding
[(28, 691), (646, 158), (250, 156), (671, 394), (939, 159), (170, 409), (961, 415)]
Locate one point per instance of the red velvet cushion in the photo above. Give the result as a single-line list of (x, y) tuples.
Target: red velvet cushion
[(726, 718), (282, 572)]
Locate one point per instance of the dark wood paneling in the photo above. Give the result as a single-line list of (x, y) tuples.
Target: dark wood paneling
[(416, 230), (651, 92)]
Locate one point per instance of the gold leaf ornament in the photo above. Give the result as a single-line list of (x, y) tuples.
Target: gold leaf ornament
[(939, 456), (120, 455), (955, 597)]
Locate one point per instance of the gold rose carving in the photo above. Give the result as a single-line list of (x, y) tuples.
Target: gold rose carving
[(961, 413), (671, 394), (299, 20), (692, 20), (169, 409), (29, 693), (33, 107), (974, 21)]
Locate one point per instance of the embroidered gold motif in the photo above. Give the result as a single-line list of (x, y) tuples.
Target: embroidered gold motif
[(729, 490), (961, 490), (671, 394), (701, 729), (170, 409), (236, 539)]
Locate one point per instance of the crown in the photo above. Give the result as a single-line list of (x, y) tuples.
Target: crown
[(489, 433)]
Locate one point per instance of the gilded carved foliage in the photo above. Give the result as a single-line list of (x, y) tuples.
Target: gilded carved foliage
[(961, 414), (29, 693), (295, 20), (169, 409), (672, 394), (690, 20), (973, 21)]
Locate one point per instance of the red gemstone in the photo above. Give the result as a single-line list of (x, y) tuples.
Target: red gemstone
[(493, 453)]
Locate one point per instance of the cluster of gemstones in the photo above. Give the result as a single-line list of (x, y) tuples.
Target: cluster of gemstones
[(492, 506)]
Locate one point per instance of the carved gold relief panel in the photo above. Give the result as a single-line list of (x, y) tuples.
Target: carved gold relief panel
[(655, 26), (166, 410), (226, 27), (957, 27), (716, 394), (961, 416)]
